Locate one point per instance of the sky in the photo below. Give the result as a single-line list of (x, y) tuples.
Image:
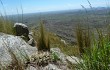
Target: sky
[(32, 6)]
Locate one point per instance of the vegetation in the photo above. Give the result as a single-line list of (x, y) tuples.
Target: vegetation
[(6, 26), (55, 57), (55, 41), (43, 42), (98, 56), (83, 38)]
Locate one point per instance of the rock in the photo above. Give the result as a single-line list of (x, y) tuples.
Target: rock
[(41, 58), (20, 24), (48, 67), (51, 67), (64, 58), (73, 59), (16, 44), (31, 68), (31, 41), (46, 62), (21, 29), (59, 54)]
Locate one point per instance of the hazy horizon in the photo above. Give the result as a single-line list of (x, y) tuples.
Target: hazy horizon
[(33, 6)]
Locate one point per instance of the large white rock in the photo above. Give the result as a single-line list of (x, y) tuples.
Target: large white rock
[(16, 44)]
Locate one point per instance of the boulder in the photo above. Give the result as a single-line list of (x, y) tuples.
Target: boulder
[(21, 29)]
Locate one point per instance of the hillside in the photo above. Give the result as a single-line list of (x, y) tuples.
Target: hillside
[(63, 23)]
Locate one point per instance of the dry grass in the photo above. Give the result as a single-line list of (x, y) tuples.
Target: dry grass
[(6, 27), (43, 43), (83, 38)]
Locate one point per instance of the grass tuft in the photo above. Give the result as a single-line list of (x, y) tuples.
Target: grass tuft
[(83, 38), (43, 41), (98, 56)]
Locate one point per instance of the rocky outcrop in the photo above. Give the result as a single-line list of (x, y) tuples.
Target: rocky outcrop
[(53, 60), (16, 43)]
